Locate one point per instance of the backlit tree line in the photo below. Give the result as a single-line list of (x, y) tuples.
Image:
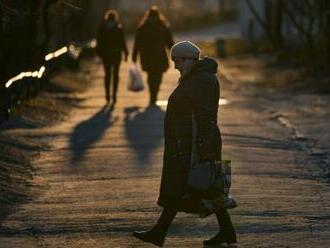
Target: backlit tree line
[(310, 20)]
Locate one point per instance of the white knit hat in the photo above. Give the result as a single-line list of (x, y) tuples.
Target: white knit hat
[(185, 49)]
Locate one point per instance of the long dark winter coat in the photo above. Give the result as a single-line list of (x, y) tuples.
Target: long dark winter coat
[(198, 93), (151, 40), (111, 41)]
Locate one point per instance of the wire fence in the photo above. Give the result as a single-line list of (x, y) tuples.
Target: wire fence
[(28, 84)]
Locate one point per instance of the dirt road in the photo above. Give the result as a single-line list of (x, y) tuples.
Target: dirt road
[(99, 178)]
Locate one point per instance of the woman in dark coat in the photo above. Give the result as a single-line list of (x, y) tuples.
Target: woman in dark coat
[(110, 45), (196, 96), (152, 38)]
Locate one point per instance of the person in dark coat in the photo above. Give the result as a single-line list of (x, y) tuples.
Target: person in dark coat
[(110, 45), (152, 38), (191, 132)]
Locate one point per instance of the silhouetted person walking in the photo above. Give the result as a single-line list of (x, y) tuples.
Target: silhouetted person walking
[(196, 97), (110, 45), (152, 38)]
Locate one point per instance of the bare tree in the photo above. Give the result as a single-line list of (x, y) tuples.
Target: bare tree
[(264, 24), (45, 12), (327, 32), (303, 16), (221, 6), (278, 34)]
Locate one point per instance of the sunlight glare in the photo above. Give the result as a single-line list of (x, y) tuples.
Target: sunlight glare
[(163, 103)]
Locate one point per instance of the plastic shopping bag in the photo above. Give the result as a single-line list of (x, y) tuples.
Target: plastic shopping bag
[(135, 79)]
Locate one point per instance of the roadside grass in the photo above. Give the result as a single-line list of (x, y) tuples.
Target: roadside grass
[(16, 171), (16, 152)]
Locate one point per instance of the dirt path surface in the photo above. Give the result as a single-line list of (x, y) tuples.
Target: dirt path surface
[(99, 179)]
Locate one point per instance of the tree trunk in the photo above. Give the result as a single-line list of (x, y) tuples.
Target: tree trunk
[(328, 36), (221, 6), (268, 10), (48, 34), (278, 23), (2, 83), (266, 27), (1, 47)]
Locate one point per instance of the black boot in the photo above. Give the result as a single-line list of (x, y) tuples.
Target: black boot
[(152, 236), (216, 240), (157, 234), (227, 232)]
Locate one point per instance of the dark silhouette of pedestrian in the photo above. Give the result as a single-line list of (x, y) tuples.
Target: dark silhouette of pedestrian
[(195, 98), (152, 38), (110, 45)]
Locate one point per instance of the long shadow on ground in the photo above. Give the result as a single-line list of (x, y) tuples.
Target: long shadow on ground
[(144, 130), (88, 132)]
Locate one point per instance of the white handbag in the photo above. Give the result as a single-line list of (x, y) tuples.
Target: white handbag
[(135, 79)]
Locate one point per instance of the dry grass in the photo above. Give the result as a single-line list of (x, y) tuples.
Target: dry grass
[(16, 152), (15, 171)]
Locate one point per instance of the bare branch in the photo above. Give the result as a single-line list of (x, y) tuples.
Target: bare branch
[(307, 33), (71, 5), (260, 20), (45, 9)]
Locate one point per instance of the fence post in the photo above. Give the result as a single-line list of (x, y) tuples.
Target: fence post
[(221, 49), (4, 104)]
